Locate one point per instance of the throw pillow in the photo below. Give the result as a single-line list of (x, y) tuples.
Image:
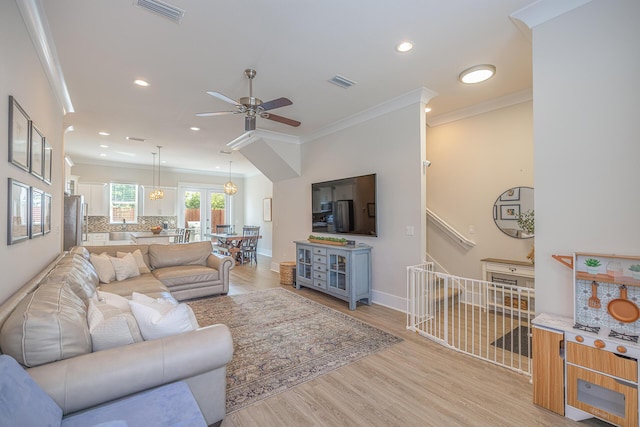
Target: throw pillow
[(157, 320), (137, 255), (112, 299), (111, 327), (125, 267), (103, 267)]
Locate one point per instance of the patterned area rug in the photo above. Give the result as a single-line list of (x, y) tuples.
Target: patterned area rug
[(281, 340), (516, 341)]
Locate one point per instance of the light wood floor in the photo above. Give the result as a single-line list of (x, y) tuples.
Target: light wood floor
[(413, 383)]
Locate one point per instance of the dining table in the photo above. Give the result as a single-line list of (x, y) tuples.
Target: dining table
[(226, 241)]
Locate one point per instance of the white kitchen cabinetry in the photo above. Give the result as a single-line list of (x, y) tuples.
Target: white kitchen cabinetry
[(163, 207), (96, 196), (96, 239)]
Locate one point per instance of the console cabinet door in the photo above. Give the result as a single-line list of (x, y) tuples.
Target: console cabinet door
[(548, 369), (338, 272), (304, 265)]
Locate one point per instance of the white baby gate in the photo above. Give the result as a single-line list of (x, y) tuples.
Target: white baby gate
[(490, 321)]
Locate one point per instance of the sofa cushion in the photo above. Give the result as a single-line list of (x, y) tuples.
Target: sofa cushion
[(125, 267), (47, 325), (22, 401), (80, 250), (185, 254), (187, 274), (79, 273), (112, 299), (137, 255), (144, 283), (161, 318), (104, 267), (111, 326), (171, 405)]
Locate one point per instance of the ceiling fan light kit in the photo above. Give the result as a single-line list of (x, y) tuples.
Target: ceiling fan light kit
[(252, 107)]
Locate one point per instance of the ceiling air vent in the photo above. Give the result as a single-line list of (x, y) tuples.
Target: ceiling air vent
[(161, 8), (341, 81)]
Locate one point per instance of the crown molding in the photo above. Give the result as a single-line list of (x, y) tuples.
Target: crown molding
[(484, 107), (38, 27), (422, 95), (542, 11)]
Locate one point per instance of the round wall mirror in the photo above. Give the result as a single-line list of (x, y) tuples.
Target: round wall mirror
[(509, 206)]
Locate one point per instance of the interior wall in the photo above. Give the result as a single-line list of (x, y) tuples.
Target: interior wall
[(586, 128), (390, 146), (257, 188), (473, 161), (22, 76)]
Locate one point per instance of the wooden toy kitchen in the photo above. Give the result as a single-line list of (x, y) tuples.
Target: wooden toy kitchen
[(587, 366)]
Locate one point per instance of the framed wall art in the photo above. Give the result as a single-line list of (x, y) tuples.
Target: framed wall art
[(37, 208), (266, 209), (46, 218), (37, 148), (511, 194), (18, 215), (46, 164), (18, 135), (509, 212)]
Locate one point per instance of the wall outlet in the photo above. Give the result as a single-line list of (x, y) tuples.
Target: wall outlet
[(409, 230)]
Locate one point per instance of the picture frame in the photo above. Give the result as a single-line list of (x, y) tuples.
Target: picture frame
[(18, 213), (47, 162), (46, 217), (512, 194), (37, 148), (266, 209), (37, 217), (19, 128), (371, 210), (509, 212)]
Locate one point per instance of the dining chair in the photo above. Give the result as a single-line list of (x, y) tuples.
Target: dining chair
[(249, 244), (180, 235), (223, 228)]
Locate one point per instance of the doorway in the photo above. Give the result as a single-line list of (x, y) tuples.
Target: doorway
[(201, 209)]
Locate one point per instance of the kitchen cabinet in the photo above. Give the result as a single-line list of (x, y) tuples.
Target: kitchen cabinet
[(96, 196), (96, 239), (341, 271), (513, 285), (548, 369), (163, 207)]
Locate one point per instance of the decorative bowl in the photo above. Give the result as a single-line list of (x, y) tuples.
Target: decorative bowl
[(156, 230)]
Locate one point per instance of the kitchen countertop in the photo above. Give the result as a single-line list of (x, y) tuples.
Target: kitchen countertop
[(142, 234)]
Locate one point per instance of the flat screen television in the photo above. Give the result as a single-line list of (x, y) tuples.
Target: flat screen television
[(345, 206)]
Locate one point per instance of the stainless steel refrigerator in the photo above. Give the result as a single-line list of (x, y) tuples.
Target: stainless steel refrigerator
[(75, 221), (343, 216)]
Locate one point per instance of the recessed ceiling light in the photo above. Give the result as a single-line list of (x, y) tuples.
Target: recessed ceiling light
[(142, 83), (405, 46), (477, 74), (194, 128), (134, 138), (427, 109), (104, 146), (104, 133), (103, 155)]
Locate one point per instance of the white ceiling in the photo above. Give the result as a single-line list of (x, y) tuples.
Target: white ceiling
[(295, 46)]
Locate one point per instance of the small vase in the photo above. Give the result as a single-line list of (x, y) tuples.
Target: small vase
[(635, 275), (592, 270)]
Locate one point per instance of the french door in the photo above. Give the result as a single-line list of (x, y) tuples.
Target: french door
[(201, 209)]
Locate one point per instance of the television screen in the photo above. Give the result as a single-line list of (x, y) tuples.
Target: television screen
[(345, 206)]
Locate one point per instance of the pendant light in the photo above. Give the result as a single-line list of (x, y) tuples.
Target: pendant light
[(159, 192), (229, 187), (152, 194), (156, 194)]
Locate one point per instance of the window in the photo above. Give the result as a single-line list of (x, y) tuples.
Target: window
[(123, 203)]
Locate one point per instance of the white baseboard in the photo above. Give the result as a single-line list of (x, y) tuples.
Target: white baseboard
[(390, 301)]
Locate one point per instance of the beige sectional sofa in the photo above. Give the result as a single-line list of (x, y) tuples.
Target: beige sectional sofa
[(45, 327)]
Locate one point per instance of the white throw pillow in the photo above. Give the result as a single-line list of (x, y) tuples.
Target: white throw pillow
[(125, 267), (112, 299), (162, 319), (103, 267), (111, 327), (137, 255)]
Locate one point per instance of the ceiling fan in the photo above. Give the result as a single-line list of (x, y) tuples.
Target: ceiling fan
[(252, 107)]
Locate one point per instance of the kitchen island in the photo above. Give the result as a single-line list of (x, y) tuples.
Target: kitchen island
[(147, 237)]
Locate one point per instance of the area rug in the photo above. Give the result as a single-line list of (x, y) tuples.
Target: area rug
[(516, 341), (281, 339)]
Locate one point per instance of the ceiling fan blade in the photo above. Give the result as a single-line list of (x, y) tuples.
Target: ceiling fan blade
[(222, 97), (281, 119), (275, 103), (217, 113), (250, 123)]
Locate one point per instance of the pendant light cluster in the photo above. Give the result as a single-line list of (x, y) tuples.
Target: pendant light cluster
[(157, 193), (229, 187)]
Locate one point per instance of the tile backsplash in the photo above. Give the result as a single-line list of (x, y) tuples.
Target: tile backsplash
[(100, 224), (606, 293)]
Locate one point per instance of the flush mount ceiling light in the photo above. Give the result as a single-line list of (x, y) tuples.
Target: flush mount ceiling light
[(141, 83), (229, 187), (477, 74), (404, 46)]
